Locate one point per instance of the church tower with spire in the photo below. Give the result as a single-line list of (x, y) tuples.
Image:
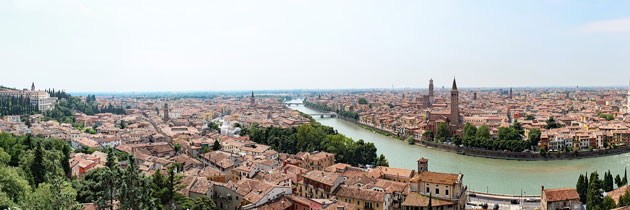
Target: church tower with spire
[(454, 104), (431, 96), (33, 86), (252, 100)]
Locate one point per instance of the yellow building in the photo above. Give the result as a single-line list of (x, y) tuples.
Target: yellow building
[(364, 199)]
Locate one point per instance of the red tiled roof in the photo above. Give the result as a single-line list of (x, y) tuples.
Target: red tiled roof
[(561, 194)]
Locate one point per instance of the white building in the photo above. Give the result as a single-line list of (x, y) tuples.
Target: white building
[(40, 98)]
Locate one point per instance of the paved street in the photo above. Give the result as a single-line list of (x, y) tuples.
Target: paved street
[(476, 200)]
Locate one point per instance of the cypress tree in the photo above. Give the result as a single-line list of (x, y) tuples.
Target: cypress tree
[(430, 206), (65, 163), (594, 195), (111, 162), (580, 188), (625, 177), (37, 167)]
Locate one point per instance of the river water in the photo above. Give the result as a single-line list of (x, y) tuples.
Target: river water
[(482, 174)]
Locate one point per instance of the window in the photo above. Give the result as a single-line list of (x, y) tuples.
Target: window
[(437, 191), (428, 189), (446, 192)]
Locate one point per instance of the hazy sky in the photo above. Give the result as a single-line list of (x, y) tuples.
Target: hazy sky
[(152, 45)]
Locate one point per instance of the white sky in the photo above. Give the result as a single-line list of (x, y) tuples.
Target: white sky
[(118, 45)]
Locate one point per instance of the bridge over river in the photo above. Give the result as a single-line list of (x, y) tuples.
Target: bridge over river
[(313, 113)]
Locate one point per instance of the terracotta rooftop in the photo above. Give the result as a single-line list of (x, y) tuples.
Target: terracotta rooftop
[(561, 194), (321, 177), (280, 204), (416, 199), (615, 194), (437, 178), (361, 194)]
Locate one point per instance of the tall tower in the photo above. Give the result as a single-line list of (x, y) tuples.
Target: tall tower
[(252, 100), (454, 104), (166, 118), (33, 86), (423, 165), (628, 99), (431, 100), (510, 93)]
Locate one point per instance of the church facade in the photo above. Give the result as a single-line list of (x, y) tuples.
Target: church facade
[(444, 113)]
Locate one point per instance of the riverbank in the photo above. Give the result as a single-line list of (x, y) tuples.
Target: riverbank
[(506, 155), (493, 154)]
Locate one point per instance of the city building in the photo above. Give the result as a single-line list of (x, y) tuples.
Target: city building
[(365, 199), (444, 188), (560, 199), (38, 98), (319, 184)]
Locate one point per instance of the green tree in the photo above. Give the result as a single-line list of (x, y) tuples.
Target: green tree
[(468, 134), (177, 148), (90, 131), (442, 132), (123, 124), (203, 203), (543, 152), (624, 200), (534, 136), (469, 131), (582, 188), (65, 162), (166, 188), (430, 206), (410, 140), (135, 190), (483, 133), (109, 182), (37, 167), (594, 194), (92, 186), (56, 195), (457, 140), (618, 181), (625, 176), (382, 161), (551, 123), (363, 101), (15, 187), (216, 145), (111, 159), (4, 157), (608, 203), (508, 134), (608, 184), (427, 135), (518, 127)]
